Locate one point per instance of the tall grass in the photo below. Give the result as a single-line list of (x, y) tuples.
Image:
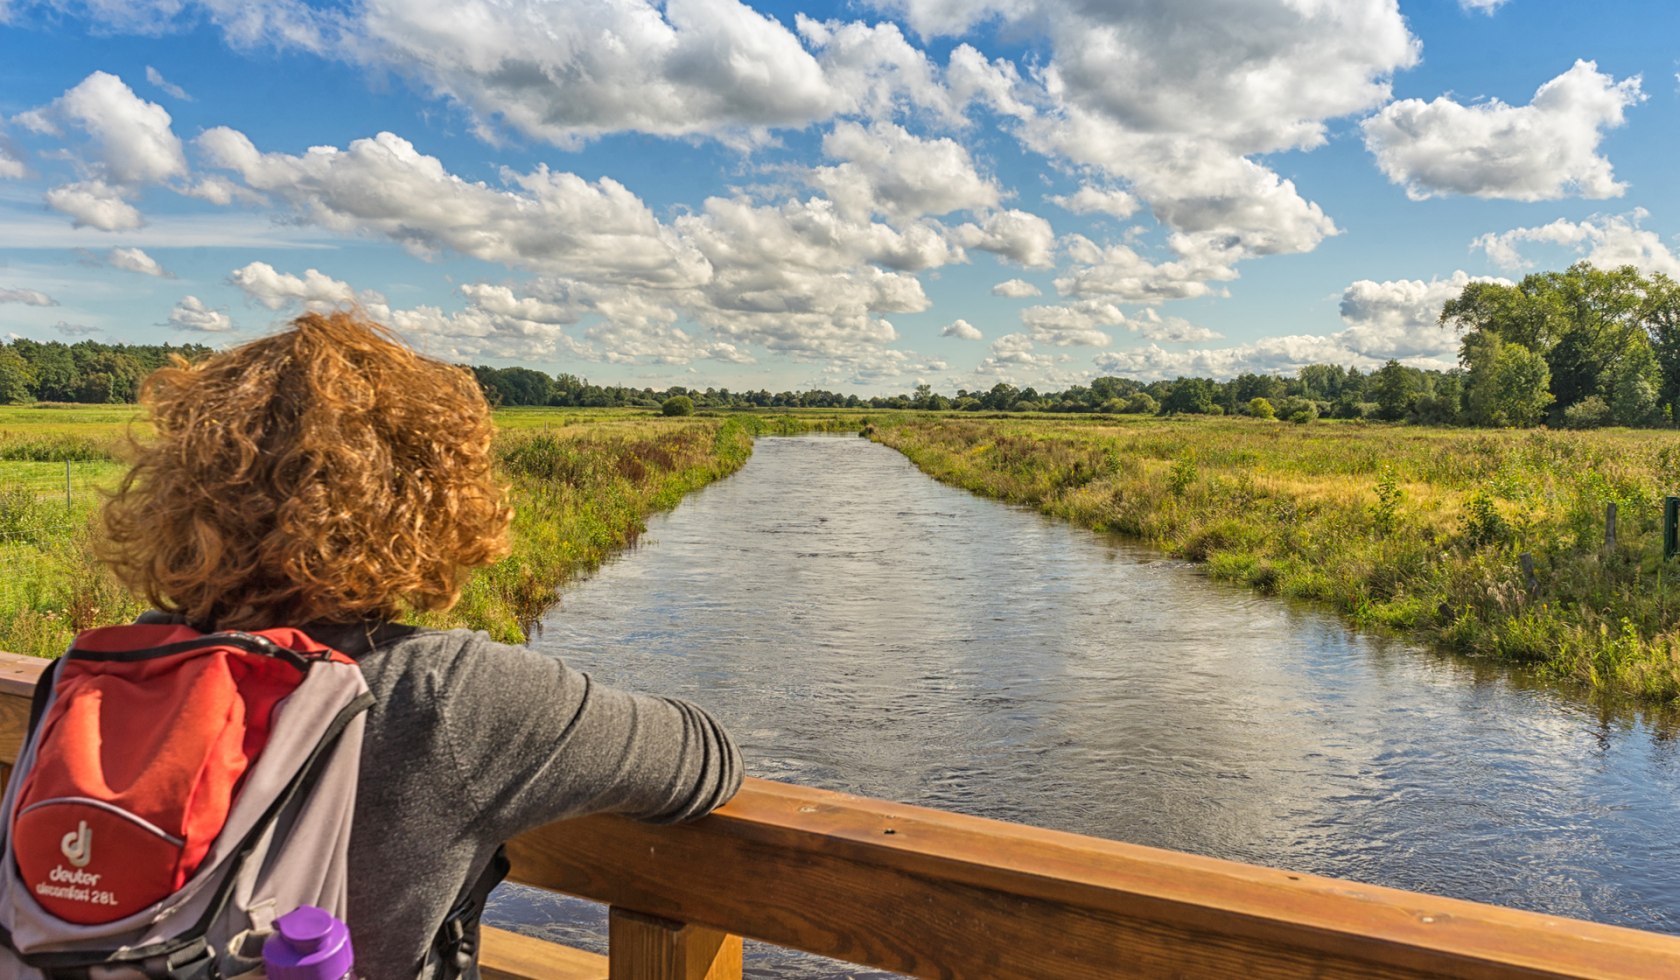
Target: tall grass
[(582, 485), (1402, 528)]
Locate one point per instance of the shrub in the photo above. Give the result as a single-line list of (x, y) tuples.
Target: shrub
[(1142, 403), (1260, 408), (678, 405), (1588, 413)]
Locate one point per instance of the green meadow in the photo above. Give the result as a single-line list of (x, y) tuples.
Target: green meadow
[(1412, 529)]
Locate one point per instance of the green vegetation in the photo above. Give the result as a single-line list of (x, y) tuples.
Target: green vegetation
[(582, 484), (1402, 528)]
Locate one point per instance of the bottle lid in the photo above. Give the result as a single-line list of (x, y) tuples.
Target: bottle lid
[(308, 944)]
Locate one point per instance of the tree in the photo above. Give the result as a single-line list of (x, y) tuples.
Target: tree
[(1261, 408), (1507, 384), (1189, 396), (16, 380), (678, 405), (1393, 388)]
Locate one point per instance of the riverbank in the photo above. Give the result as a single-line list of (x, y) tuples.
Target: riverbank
[(1409, 529), (582, 484)]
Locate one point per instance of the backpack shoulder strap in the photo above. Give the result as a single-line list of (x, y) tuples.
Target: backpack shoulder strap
[(457, 939), (43, 691)]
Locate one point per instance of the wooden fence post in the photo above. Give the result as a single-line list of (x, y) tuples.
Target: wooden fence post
[(645, 947), (1610, 525), (1529, 578)]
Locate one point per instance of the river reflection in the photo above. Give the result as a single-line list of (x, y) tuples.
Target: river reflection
[(861, 627)]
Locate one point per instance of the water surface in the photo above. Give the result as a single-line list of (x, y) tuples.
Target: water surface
[(861, 627)]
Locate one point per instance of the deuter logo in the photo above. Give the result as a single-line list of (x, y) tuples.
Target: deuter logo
[(78, 846)]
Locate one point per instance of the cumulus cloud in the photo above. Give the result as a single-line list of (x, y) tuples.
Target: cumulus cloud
[(1096, 200), (1016, 289), (132, 142), (1175, 100), (961, 329), (569, 72), (313, 290), (1014, 356), (69, 329), (1119, 273), (1399, 318), (28, 297), (135, 260), (191, 314), (1072, 324), (1151, 325), (1481, 6), (165, 85), (1606, 241), (95, 204), (1543, 151), (542, 220), (888, 170), (1019, 236)]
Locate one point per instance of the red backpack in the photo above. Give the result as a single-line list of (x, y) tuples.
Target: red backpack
[(178, 792)]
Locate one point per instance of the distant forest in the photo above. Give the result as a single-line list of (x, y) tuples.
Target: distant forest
[(1580, 348)]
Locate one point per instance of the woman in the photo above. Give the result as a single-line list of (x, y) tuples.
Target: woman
[(328, 477)]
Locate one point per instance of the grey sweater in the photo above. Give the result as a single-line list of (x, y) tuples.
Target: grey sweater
[(471, 742)]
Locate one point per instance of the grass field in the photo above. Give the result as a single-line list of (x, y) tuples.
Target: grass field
[(1404, 528)]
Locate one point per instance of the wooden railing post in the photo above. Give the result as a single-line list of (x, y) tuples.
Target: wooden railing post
[(645, 947)]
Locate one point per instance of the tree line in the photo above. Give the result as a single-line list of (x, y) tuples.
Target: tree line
[(1579, 348)]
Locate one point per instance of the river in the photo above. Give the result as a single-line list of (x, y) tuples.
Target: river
[(861, 627)]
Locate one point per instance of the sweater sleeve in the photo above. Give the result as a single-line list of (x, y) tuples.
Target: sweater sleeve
[(535, 741)]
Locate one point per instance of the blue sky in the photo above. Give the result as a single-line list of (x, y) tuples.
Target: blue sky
[(859, 196)]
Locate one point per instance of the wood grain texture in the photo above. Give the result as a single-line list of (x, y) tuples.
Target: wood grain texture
[(945, 895), (507, 955), (644, 947)]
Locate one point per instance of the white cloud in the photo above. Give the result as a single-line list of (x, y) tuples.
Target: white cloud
[(1016, 289), (543, 220), (1175, 100), (1014, 357), (313, 290), (28, 297), (95, 204), (135, 260), (1019, 236), (132, 138), (1096, 200), (1118, 272), (1606, 241), (873, 70), (1151, 325), (1399, 318), (165, 85), (1481, 6), (1545, 150), (885, 169), (1072, 324), (191, 314), (69, 329), (567, 72), (961, 329)]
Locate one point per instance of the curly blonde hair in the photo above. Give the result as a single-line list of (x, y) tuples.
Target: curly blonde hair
[(326, 473)]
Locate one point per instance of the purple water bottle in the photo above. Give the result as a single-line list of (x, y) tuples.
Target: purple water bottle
[(308, 944)]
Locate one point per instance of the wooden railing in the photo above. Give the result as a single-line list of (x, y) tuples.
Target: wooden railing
[(937, 894)]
